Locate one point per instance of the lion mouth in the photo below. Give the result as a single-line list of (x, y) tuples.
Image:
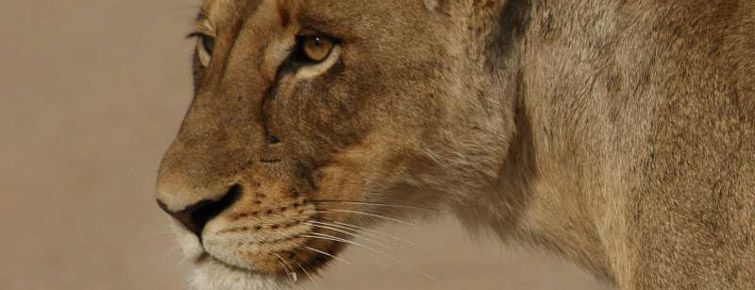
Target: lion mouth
[(288, 276), (213, 273), (206, 257), (293, 265), (276, 240)]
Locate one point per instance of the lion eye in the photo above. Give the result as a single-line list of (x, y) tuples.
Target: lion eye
[(208, 43), (314, 48), (205, 48)]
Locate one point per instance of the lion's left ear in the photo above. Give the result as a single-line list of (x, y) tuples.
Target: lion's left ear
[(432, 5), (468, 7)]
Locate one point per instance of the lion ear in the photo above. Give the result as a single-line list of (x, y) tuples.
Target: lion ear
[(472, 6), (432, 5), (442, 6)]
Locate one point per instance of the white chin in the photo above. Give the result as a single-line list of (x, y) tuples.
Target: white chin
[(211, 275)]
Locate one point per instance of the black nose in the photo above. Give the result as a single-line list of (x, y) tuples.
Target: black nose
[(196, 216)]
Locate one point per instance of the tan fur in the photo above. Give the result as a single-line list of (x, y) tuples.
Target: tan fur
[(620, 134)]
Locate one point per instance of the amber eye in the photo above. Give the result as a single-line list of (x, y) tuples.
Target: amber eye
[(314, 48)]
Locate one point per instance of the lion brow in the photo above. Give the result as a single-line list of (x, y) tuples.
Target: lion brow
[(202, 15), (283, 12)]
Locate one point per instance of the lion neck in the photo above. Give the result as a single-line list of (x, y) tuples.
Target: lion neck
[(537, 198)]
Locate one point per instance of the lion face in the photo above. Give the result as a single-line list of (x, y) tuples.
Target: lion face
[(312, 120)]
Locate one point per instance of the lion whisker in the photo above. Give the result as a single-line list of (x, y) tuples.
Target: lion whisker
[(341, 240), (381, 253), (355, 235), (289, 271), (366, 203), (356, 212), (327, 254), (304, 270), (374, 233)]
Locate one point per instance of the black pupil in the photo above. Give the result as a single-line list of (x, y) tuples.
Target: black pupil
[(306, 45), (208, 43)]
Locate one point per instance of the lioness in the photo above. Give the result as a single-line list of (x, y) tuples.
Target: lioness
[(620, 134)]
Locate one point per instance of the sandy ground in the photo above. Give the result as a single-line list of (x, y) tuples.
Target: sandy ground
[(91, 94)]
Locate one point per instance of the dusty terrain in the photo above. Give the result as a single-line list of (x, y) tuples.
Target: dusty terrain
[(91, 94)]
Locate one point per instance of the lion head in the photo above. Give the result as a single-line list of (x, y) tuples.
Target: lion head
[(312, 120)]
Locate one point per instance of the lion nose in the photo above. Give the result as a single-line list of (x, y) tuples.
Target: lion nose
[(194, 217)]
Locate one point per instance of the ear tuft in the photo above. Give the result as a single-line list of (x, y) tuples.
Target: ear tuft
[(431, 4)]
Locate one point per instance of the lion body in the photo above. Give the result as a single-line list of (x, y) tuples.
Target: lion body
[(638, 139), (618, 134)]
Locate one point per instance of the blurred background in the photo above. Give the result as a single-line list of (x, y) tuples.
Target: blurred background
[(91, 94)]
